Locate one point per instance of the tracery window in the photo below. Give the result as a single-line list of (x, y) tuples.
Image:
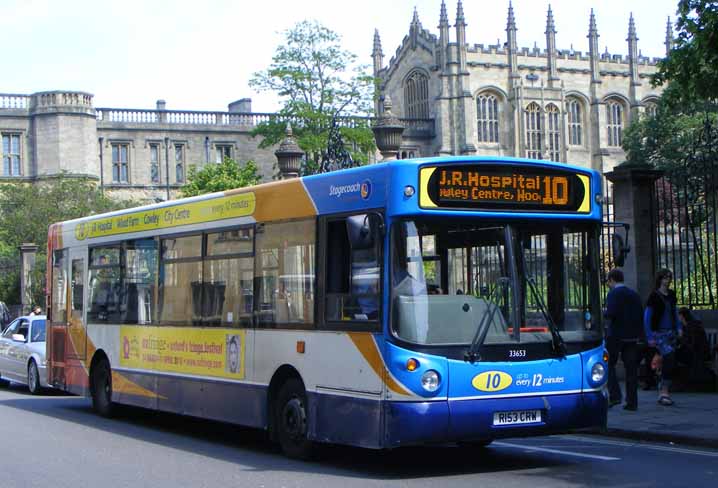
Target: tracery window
[(554, 132), (615, 123), (575, 123), (416, 96), (534, 134), (487, 110)]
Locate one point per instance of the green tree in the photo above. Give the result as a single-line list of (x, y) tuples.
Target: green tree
[(26, 212), (219, 177), (317, 81), (692, 64)]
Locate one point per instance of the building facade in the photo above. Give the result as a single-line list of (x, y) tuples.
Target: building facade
[(139, 154), (503, 100), (453, 99)]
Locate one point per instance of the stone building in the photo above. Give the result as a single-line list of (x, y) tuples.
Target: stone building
[(452, 97), (503, 100), (142, 154)]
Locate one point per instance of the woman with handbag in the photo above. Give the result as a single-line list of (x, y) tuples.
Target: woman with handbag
[(662, 327)]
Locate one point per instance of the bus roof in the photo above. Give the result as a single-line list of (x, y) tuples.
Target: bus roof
[(355, 189)]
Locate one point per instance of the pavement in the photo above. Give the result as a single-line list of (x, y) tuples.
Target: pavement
[(691, 420)]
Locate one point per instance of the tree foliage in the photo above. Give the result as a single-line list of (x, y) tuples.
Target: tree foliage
[(682, 134), (219, 177), (692, 64), (27, 210), (316, 80)]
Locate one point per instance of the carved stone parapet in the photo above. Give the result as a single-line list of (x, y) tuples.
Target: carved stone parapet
[(61, 102)]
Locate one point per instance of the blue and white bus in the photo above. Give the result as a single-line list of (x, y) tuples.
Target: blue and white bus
[(403, 303)]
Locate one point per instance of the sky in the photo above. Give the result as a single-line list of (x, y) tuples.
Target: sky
[(200, 54)]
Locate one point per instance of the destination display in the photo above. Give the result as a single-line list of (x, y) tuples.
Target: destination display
[(505, 187)]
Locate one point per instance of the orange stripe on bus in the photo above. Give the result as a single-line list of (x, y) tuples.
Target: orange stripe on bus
[(366, 345), (280, 200)]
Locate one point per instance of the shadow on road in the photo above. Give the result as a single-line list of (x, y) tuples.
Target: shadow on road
[(251, 449)]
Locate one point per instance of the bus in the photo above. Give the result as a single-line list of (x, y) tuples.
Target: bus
[(448, 299)]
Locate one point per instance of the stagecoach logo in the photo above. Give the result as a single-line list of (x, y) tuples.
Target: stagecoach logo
[(82, 231), (363, 189), (492, 381), (366, 189)]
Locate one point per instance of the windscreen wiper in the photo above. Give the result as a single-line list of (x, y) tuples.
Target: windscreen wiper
[(559, 347), (472, 354)]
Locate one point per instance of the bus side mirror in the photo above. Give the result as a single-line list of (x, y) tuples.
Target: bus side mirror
[(362, 230)]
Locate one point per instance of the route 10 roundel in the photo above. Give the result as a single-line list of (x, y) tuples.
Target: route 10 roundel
[(492, 381)]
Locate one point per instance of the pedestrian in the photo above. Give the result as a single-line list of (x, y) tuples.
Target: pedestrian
[(662, 327), (624, 312), (5, 317)]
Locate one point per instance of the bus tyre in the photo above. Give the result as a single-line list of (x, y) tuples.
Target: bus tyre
[(291, 420), (33, 378), (102, 388)]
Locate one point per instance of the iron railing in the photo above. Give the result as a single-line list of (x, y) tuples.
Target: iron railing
[(685, 232)]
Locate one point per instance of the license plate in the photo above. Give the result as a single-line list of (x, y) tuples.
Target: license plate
[(517, 417)]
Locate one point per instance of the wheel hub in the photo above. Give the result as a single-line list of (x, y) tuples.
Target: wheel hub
[(295, 418)]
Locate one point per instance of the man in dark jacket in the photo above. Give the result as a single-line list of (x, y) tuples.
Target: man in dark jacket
[(624, 312)]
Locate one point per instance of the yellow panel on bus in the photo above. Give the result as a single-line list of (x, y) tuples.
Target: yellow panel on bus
[(185, 350)]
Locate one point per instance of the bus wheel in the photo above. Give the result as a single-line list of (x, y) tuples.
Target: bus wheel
[(102, 388), (291, 420), (33, 378)]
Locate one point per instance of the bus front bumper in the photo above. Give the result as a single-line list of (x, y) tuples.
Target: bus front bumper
[(411, 423)]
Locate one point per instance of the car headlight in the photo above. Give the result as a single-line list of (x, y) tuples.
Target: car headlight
[(430, 381), (598, 372)]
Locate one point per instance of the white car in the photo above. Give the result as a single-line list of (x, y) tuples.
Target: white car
[(22, 353)]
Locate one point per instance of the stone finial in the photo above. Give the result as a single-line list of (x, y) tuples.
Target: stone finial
[(669, 36), (387, 132), (443, 17), (592, 30), (415, 20), (376, 51), (460, 19), (511, 21), (550, 25), (289, 155), (631, 29)]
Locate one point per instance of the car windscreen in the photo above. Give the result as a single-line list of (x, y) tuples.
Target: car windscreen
[(38, 331)]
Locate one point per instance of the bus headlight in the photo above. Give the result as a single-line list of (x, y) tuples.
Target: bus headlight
[(430, 381), (598, 372)]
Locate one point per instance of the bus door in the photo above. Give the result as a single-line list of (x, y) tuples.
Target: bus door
[(57, 329), (77, 332)]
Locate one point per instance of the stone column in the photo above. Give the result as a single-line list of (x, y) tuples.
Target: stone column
[(27, 265), (633, 203)]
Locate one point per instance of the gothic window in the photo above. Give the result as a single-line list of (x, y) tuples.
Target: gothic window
[(487, 109), (533, 131), (155, 163), (120, 161), (179, 163), (650, 109), (554, 132), (575, 126), (615, 123), (11, 154), (416, 96)]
